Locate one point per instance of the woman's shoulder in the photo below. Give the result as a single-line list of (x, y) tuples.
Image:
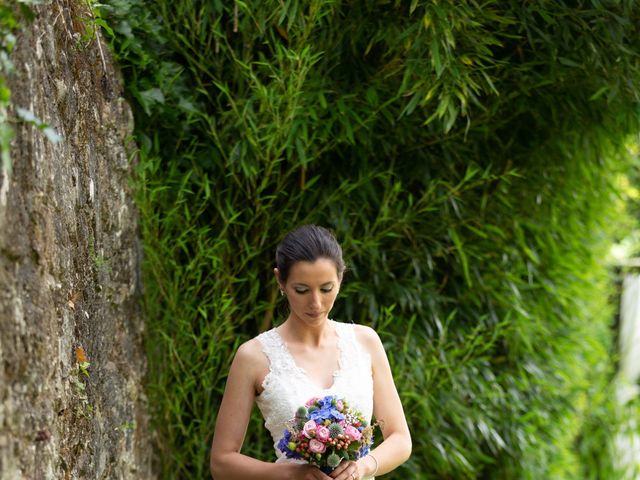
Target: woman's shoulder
[(250, 363), (367, 337), (372, 344), (251, 351)]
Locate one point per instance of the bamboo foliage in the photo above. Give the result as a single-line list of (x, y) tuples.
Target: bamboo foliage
[(467, 155)]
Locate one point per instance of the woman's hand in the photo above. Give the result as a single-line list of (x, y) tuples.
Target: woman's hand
[(308, 472), (347, 470)]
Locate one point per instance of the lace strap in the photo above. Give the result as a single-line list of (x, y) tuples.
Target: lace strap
[(279, 358), (351, 352)]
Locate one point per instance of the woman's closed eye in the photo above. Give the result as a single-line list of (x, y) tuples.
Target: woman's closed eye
[(305, 290)]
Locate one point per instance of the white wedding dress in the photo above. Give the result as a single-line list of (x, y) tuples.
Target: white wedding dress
[(287, 386)]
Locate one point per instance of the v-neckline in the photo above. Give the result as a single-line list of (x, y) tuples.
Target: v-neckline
[(303, 372)]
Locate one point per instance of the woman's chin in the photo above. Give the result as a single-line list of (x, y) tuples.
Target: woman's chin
[(314, 318)]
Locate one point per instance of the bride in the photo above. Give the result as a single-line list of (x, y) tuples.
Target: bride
[(309, 355)]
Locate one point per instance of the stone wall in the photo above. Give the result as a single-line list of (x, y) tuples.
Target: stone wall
[(70, 256)]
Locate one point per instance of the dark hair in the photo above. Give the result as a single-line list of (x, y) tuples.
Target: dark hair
[(308, 243)]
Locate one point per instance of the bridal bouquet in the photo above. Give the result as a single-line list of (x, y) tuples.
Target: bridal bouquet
[(326, 431)]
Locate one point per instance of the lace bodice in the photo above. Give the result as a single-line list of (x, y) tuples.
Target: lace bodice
[(287, 386)]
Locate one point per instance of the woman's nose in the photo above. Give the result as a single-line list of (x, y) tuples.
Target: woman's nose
[(315, 299)]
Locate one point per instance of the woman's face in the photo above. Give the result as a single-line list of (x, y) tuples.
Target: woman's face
[(311, 289)]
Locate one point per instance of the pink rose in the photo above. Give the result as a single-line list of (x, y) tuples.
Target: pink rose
[(311, 401), (339, 405), (353, 433), (309, 428), (315, 446), (322, 433)]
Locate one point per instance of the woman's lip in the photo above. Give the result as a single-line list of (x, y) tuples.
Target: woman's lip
[(314, 314)]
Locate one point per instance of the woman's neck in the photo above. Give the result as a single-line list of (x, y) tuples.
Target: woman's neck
[(300, 332)]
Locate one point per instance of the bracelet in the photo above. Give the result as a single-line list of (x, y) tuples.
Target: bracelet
[(376, 469)]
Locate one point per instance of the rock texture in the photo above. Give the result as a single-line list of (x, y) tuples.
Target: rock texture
[(70, 265)]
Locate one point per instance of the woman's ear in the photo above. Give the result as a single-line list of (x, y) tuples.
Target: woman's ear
[(277, 274)]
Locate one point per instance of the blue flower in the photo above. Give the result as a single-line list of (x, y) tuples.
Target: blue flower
[(327, 401), (325, 409), (283, 446), (326, 413), (364, 451)]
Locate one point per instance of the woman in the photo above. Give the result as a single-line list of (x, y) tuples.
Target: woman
[(308, 355)]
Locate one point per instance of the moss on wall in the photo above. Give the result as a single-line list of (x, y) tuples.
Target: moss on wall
[(72, 403)]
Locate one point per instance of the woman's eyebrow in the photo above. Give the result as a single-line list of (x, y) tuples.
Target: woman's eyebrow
[(297, 284)]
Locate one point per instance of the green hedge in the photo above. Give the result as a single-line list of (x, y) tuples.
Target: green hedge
[(467, 156)]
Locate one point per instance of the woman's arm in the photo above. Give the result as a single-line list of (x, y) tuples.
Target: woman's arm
[(387, 410), (226, 462)]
